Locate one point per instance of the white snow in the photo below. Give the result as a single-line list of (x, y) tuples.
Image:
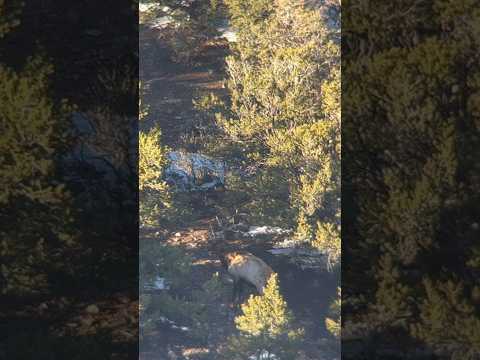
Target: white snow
[(266, 230), (158, 284), (264, 355), (227, 33), (164, 320), (161, 22)]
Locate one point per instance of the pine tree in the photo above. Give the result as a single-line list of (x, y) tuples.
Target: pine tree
[(33, 201), (447, 303), (265, 315), (411, 110), (155, 198), (194, 23), (284, 85), (266, 327), (333, 323), (246, 15)]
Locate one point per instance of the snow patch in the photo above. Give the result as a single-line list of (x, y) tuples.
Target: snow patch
[(266, 230), (164, 320), (158, 284), (227, 33), (264, 355), (161, 22)]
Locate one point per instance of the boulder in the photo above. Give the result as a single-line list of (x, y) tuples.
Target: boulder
[(194, 172)]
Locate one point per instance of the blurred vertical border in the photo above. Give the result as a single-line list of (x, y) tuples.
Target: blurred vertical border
[(68, 179), (410, 201)]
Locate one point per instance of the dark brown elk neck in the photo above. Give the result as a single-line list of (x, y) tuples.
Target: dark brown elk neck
[(220, 250), (226, 253)]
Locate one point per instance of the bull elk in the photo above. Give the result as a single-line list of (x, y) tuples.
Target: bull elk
[(242, 267)]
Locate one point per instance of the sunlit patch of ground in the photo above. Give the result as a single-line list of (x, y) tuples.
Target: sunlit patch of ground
[(192, 238)]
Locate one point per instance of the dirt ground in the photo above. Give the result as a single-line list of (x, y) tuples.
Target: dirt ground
[(170, 89)]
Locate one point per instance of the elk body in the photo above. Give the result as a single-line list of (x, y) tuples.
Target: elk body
[(242, 266), (246, 267)]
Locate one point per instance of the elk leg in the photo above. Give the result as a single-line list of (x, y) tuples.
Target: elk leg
[(235, 290), (240, 288)]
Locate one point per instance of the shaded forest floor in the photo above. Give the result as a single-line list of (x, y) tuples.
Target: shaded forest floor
[(95, 325), (169, 91)]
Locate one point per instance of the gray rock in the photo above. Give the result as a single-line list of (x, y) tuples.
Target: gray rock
[(194, 172)]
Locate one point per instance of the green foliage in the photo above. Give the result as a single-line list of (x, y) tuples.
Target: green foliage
[(334, 322), (143, 109), (244, 15), (412, 121), (152, 160), (9, 14), (155, 199), (33, 201), (164, 261), (328, 238), (192, 26), (211, 293), (448, 303), (170, 263), (158, 205), (266, 325), (193, 308), (118, 83), (266, 315), (284, 114)]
